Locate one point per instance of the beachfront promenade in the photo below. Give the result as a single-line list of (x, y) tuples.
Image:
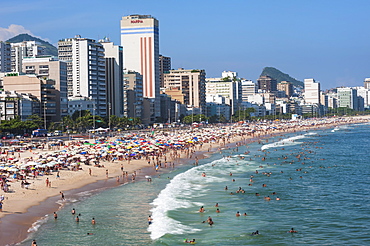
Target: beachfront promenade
[(31, 175)]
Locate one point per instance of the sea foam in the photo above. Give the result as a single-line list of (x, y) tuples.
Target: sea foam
[(286, 142)]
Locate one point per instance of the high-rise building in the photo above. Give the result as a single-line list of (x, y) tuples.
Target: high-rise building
[(226, 89), (347, 98), (85, 70), (188, 85), (367, 83), (24, 49), (51, 68), (311, 91), (164, 67), (5, 57), (113, 77), (140, 40), (287, 87), (267, 84), (249, 88), (133, 103)]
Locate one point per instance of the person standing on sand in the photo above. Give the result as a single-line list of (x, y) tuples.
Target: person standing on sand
[(47, 182), (1, 206), (106, 173), (90, 171)]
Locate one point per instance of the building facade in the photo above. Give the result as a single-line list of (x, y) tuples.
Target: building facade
[(133, 103), (5, 57), (14, 104), (286, 87), (140, 40), (267, 84), (43, 89), (114, 77), (347, 98), (164, 67), (248, 88), (51, 68), (190, 84), (85, 70), (311, 91), (24, 49), (227, 89)]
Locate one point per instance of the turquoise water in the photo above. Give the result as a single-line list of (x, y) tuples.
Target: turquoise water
[(321, 177)]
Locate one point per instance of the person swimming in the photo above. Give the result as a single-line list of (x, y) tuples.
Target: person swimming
[(292, 230), (150, 220)]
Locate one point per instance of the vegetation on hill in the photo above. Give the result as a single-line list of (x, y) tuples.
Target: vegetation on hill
[(49, 48), (280, 76)]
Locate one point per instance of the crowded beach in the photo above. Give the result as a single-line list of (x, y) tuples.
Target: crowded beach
[(30, 173)]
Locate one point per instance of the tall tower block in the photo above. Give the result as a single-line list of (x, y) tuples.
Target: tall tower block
[(140, 41)]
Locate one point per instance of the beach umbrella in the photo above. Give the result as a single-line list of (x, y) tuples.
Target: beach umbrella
[(12, 169)]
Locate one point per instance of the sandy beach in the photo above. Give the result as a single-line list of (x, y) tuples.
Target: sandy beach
[(23, 206)]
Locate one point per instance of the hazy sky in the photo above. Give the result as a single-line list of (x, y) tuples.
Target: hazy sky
[(328, 40)]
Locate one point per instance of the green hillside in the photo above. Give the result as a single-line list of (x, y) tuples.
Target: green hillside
[(280, 76), (49, 48)]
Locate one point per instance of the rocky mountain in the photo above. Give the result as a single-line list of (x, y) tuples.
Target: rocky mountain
[(280, 76)]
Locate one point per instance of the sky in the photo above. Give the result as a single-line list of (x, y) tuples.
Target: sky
[(327, 40)]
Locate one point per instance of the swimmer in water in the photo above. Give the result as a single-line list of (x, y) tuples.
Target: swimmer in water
[(201, 210), (93, 221), (217, 210), (73, 211), (55, 216), (237, 214), (150, 220), (77, 219), (89, 233), (292, 230)]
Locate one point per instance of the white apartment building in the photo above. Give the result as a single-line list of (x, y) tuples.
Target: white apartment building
[(229, 74), (114, 77), (216, 106), (248, 88), (367, 83), (311, 91), (24, 49), (85, 70), (347, 98), (227, 89), (365, 94), (140, 40)]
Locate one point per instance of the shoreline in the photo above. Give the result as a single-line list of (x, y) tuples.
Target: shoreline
[(17, 223)]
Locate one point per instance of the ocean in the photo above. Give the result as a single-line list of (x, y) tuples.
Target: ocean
[(322, 179)]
